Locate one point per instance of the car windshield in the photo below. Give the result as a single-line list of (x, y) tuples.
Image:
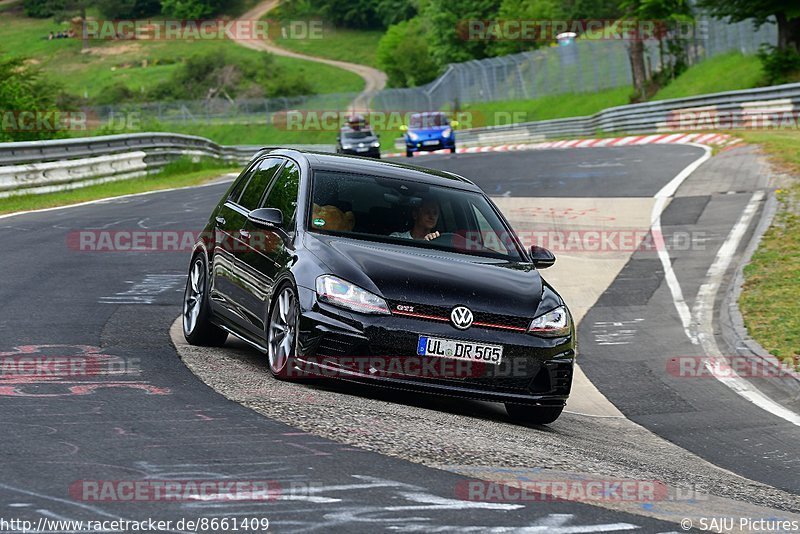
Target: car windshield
[(356, 134), (427, 120), (415, 214)]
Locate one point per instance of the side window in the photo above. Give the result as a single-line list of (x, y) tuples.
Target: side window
[(283, 194), (488, 234), (240, 184), (259, 182)]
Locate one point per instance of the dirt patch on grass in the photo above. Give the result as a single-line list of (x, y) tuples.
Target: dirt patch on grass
[(112, 50)]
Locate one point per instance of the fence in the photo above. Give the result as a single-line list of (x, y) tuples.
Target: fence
[(764, 107), (42, 166), (585, 66)]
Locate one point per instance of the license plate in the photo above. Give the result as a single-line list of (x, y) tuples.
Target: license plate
[(459, 350), (362, 149), (429, 143)]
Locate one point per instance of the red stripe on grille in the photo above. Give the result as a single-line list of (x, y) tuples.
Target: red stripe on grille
[(421, 316), (447, 320), (501, 326)]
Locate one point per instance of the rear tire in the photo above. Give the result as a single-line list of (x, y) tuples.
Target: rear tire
[(409, 153), (282, 332), (197, 326), (536, 415), (453, 150)]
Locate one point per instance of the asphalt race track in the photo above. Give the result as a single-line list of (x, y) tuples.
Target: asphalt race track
[(152, 418)]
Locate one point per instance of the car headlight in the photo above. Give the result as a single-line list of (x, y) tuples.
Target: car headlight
[(376, 144), (413, 136), (446, 133), (347, 147), (337, 292), (555, 323)]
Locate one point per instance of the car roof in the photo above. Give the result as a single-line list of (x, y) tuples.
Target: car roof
[(358, 165), (428, 114), (348, 129)]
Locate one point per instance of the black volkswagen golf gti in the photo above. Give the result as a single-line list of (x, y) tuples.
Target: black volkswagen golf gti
[(369, 271)]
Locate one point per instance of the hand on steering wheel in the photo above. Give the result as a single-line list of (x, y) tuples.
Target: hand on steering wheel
[(431, 236)]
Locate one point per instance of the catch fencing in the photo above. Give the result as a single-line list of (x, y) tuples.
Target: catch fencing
[(585, 66)]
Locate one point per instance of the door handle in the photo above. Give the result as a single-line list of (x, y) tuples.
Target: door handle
[(244, 234), (220, 220)]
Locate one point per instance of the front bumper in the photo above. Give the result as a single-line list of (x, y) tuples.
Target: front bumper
[(421, 146), (381, 350)]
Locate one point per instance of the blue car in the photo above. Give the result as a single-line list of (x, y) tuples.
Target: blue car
[(429, 131)]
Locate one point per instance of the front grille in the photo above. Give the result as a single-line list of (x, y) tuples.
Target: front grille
[(427, 312)]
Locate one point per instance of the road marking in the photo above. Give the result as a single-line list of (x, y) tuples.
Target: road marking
[(146, 291), (702, 331), (662, 199), (615, 332), (704, 316), (131, 195)]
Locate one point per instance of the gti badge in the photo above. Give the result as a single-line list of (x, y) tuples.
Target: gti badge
[(461, 317)]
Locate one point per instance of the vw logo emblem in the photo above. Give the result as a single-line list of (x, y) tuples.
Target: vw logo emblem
[(461, 317)]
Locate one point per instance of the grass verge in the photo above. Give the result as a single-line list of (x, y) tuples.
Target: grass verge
[(726, 72), (139, 65), (545, 108), (180, 173), (353, 46), (770, 299)]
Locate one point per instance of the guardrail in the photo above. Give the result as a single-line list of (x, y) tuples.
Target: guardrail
[(44, 166), (752, 108), (56, 165)]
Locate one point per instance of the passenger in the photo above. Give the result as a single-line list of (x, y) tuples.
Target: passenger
[(425, 218)]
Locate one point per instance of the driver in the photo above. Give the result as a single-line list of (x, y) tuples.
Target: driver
[(425, 217)]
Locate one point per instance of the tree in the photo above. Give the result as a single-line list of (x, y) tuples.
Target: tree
[(444, 16), (403, 54), (526, 10), (664, 11), (786, 13), (25, 92), (114, 9), (42, 9), (129, 9)]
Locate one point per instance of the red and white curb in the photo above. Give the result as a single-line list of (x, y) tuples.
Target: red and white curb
[(721, 140)]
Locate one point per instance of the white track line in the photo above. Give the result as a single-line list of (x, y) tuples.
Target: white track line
[(662, 199), (704, 317), (99, 200)]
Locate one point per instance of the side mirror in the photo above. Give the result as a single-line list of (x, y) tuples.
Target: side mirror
[(541, 257), (403, 128), (266, 217)]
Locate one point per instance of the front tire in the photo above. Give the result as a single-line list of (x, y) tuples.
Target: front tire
[(197, 326), (453, 150), (282, 332), (409, 153), (535, 415)]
